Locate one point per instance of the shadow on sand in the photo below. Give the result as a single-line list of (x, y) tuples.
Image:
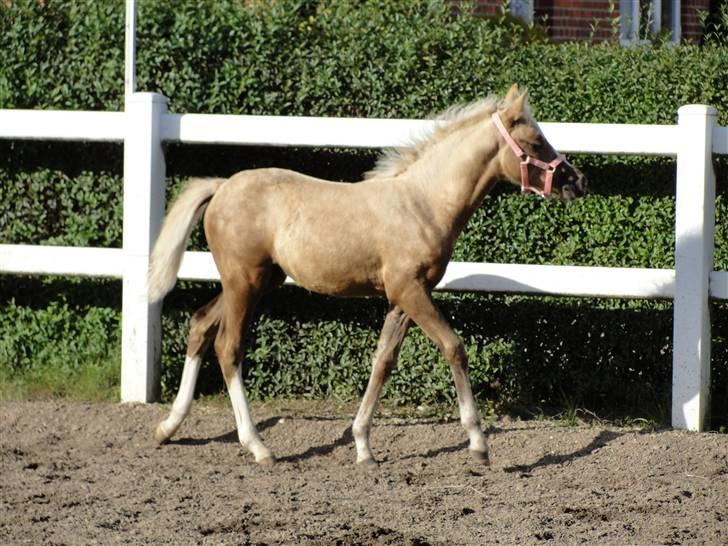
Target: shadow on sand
[(601, 440)]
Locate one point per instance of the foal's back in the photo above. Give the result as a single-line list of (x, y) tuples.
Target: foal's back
[(331, 237)]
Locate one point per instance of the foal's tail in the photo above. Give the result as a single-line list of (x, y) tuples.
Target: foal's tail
[(170, 246)]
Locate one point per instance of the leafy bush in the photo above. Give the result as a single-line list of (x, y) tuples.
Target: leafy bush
[(59, 349), (379, 58)]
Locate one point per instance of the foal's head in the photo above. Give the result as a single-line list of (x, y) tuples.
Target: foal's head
[(527, 158)]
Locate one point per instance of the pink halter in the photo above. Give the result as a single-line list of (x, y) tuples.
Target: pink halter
[(526, 160)]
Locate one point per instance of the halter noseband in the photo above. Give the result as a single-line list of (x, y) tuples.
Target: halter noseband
[(526, 160)]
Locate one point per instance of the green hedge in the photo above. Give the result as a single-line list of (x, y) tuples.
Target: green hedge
[(386, 58)]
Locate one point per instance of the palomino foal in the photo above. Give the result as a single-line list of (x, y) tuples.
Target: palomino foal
[(391, 235)]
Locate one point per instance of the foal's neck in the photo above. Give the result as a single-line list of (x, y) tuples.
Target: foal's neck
[(457, 174)]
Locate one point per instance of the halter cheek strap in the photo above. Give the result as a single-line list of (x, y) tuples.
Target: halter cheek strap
[(548, 168)]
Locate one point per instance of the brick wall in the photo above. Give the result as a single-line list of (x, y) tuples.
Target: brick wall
[(572, 20), (576, 20), (488, 8), (690, 26)]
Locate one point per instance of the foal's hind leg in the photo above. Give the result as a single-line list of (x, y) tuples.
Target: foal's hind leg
[(203, 327), (395, 327), (240, 295), (417, 303)]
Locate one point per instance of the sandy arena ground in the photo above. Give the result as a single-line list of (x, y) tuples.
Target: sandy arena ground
[(74, 473)]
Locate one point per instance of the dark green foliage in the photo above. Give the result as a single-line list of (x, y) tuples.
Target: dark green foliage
[(62, 55), (378, 58), (59, 338)]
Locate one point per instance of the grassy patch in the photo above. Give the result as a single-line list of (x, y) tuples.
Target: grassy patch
[(62, 350), (94, 383)]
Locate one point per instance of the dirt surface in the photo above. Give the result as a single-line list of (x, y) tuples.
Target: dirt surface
[(73, 473)]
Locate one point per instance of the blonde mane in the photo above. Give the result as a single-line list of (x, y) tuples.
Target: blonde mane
[(395, 161)]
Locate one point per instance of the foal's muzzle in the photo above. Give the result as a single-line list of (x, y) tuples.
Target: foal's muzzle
[(574, 186)]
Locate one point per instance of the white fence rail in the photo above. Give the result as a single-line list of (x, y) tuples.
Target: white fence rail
[(146, 124)]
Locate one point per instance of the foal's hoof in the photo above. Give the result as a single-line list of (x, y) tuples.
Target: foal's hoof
[(160, 435), (367, 464), (481, 457), (268, 460)]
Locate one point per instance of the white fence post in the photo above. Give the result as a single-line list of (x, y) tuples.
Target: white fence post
[(130, 49), (694, 236), (144, 173)]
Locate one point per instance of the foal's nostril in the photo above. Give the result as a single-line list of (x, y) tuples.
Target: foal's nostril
[(581, 184), (569, 193)]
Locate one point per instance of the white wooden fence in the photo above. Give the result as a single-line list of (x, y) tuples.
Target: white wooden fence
[(146, 124)]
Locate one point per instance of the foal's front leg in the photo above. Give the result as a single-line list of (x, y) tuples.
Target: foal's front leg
[(417, 302), (395, 327)]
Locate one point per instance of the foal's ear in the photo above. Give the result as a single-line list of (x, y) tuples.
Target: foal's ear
[(512, 93), (515, 106)]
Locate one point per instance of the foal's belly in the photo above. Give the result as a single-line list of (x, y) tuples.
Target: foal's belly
[(326, 273)]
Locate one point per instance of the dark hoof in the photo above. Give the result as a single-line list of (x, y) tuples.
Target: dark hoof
[(481, 457)]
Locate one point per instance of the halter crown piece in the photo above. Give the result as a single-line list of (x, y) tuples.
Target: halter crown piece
[(526, 160)]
